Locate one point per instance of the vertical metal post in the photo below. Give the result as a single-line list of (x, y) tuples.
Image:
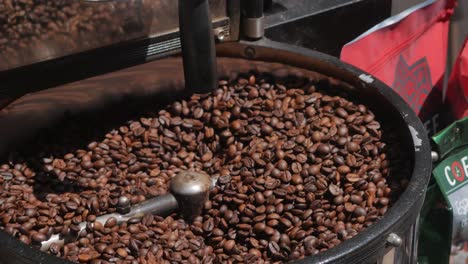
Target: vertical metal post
[(198, 45), (253, 24)]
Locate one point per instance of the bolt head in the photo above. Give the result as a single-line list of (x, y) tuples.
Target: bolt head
[(124, 201), (394, 240)]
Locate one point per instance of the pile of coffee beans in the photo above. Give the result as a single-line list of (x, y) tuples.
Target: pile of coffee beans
[(60, 27), (302, 167)]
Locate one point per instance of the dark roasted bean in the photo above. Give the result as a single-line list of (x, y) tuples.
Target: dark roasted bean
[(274, 248), (39, 237), (323, 149), (229, 245)]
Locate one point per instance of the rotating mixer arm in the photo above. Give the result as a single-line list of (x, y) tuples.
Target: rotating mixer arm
[(188, 193)]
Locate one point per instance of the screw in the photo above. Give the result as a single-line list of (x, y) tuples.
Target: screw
[(249, 52), (435, 156), (123, 205), (219, 34), (394, 240)]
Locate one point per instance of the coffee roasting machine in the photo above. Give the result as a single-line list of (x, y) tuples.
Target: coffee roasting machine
[(88, 55)]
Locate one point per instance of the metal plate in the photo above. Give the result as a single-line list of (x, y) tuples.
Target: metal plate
[(35, 31)]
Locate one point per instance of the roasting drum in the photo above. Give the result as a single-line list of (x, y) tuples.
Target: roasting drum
[(161, 82)]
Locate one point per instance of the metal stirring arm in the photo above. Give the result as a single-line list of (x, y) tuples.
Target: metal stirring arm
[(188, 192), (160, 205)]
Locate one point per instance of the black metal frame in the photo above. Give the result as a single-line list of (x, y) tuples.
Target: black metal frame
[(323, 25)]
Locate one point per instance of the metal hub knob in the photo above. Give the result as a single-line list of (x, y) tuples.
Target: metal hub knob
[(191, 190)]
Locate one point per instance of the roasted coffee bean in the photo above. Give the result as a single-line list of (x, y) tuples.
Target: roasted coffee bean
[(359, 211), (384, 201), (208, 225), (71, 206), (261, 209), (259, 227), (229, 245), (334, 190), (356, 199), (134, 220), (111, 222), (282, 165), (323, 149), (100, 247), (274, 248), (255, 252), (259, 198), (338, 200), (343, 169), (217, 232), (352, 177), (352, 147), (122, 252), (286, 222), (91, 218), (341, 112), (39, 237), (269, 230), (259, 218), (349, 207), (253, 93), (266, 129), (30, 212), (228, 215)]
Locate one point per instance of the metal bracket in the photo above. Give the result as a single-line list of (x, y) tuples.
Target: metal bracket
[(254, 28)]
